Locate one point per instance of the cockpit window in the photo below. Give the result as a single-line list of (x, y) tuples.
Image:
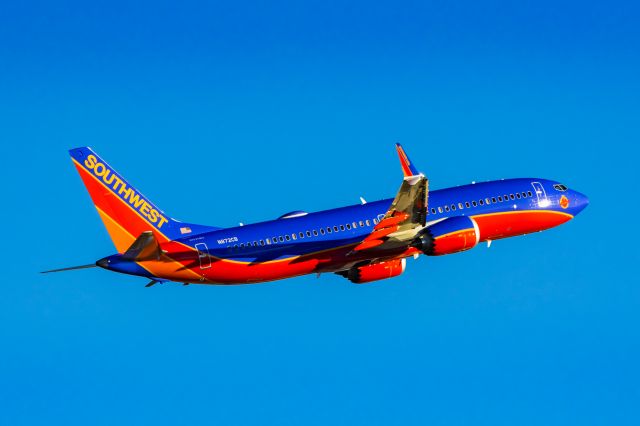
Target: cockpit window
[(560, 187)]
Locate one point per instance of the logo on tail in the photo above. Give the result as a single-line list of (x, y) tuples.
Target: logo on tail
[(123, 191), (125, 212)]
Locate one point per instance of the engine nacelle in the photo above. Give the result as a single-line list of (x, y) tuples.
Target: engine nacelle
[(451, 235), (375, 271)]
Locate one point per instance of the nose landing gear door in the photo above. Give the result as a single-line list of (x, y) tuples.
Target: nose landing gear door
[(543, 201), (203, 255)]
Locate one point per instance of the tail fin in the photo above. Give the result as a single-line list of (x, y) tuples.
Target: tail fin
[(126, 213)]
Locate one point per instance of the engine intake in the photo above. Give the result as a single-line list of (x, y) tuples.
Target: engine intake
[(451, 235), (375, 271)]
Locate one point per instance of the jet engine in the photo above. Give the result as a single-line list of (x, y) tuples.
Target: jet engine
[(375, 271), (451, 235)]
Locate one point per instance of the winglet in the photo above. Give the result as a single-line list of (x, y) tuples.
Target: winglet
[(407, 167)]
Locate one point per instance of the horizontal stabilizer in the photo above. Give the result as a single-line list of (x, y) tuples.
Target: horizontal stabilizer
[(145, 247)]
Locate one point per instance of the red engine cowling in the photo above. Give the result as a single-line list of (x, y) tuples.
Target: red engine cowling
[(375, 271), (451, 235)]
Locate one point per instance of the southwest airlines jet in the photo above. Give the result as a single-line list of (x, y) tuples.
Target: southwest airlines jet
[(362, 243)]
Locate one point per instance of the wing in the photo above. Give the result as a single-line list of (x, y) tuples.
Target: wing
[(407, 214)]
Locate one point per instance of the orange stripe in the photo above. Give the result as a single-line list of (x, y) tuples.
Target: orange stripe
[(159, 268)]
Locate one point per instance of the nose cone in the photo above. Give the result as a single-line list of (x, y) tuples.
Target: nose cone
[(580, 202)]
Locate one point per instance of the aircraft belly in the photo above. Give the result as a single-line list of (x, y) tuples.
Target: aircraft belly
[(225, 271)]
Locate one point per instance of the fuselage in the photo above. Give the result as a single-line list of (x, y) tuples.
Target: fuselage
[(301, 243)]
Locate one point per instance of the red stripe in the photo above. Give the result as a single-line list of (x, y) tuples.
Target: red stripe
[(509, 224)]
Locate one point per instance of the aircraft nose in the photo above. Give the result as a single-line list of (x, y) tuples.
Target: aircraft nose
[(581, 201)]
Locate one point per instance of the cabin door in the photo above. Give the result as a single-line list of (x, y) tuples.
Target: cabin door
[(203, 255), (543, 201)]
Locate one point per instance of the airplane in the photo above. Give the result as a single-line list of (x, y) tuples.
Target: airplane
[(363, 243)]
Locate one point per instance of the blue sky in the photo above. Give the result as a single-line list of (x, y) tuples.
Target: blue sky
[(242, 111)]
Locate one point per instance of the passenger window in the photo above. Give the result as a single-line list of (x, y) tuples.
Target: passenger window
[(361, 224), (308, 233), (348, 227), (474, 204), (487, 200), (512, 197), (301, 234), (453, 207), (342, 226), (529, 194), (493, 199), (294, 236), (518, 195), (467, 205), (460, 206), (481, 202), (315, 233), (335, 228), (329, 229), (446, 208), (439, 209), (261, 242), (524, 195), (367, 222), (433, 211), (355, 225), (322, 231), (268, 241), (500, 198), (281, 238), (375, 222)]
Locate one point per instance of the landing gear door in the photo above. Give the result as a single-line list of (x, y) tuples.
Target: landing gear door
[(543, 201), (203, 255)]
